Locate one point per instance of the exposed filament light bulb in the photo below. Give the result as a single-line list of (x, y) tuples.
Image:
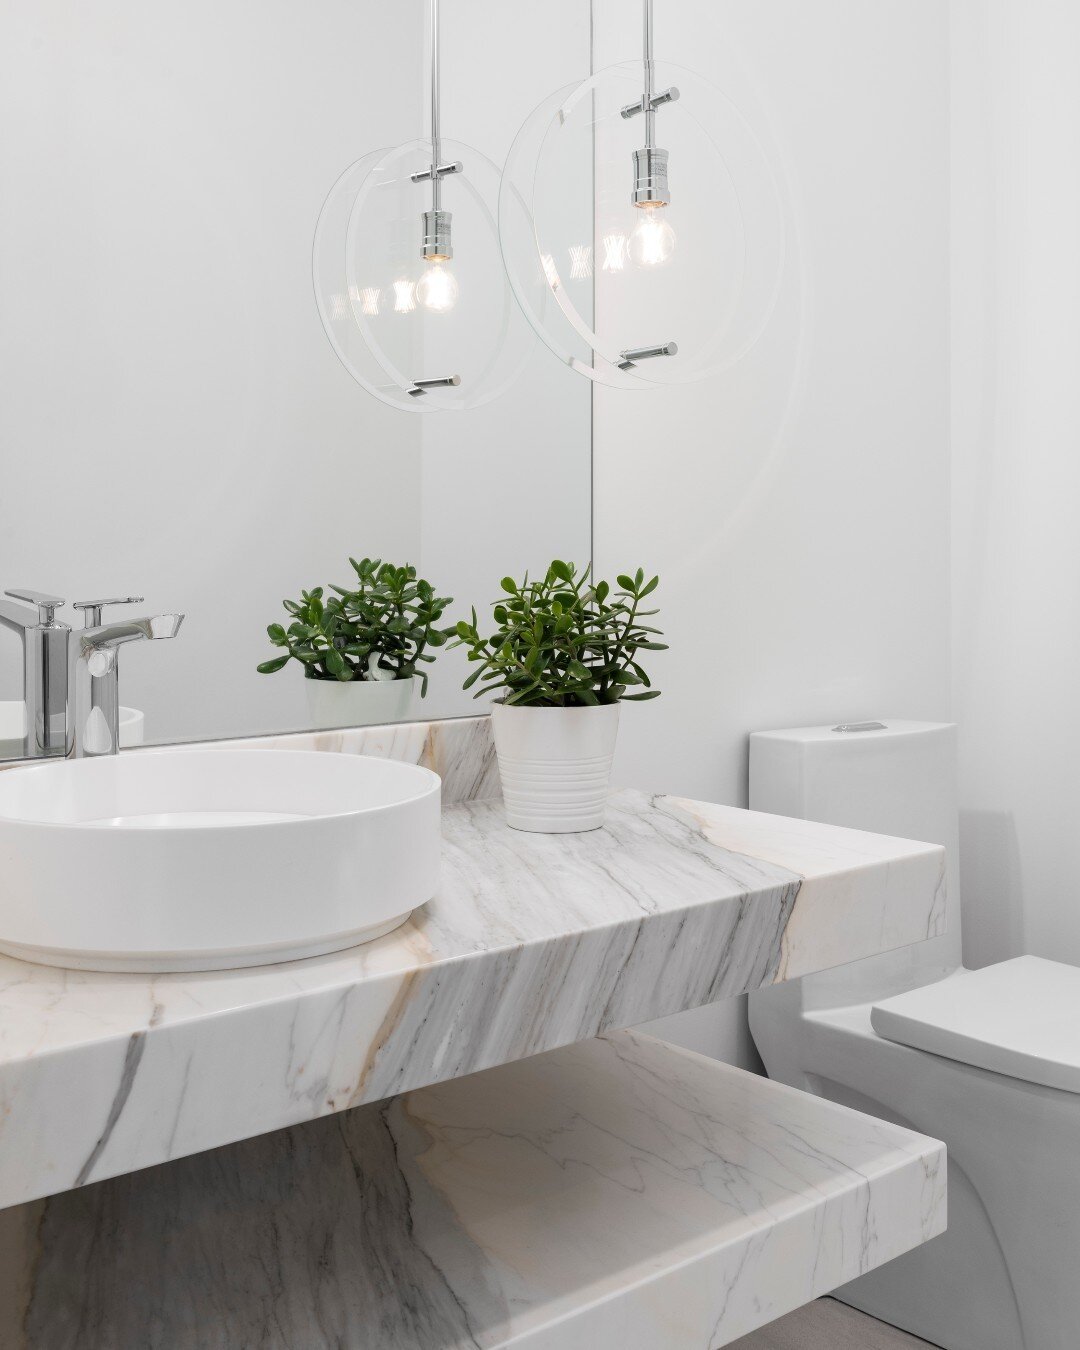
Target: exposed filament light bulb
[(437, 289), (652, 241)]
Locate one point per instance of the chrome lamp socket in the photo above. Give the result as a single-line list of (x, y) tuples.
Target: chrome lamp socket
[(437, 246)]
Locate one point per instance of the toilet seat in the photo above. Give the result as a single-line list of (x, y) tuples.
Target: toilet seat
[(1020, 1018)]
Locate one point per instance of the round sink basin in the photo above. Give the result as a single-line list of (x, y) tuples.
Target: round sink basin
[(211, 859), (13, 728)]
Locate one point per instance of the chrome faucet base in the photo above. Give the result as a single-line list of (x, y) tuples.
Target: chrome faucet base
[(94, 683), (70, 683), (45, 671)]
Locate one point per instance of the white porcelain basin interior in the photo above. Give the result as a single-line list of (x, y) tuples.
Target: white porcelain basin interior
[(211, 859), (13, 727)]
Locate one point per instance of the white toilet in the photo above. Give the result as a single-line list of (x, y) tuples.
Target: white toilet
[(986, 1060)]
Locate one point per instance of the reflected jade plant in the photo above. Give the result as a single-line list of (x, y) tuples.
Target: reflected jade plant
[(378, 628)]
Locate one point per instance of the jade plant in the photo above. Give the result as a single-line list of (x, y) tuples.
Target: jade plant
[(377, 628), (565, 641)]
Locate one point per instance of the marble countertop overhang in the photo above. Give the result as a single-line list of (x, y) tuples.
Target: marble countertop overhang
[(533, 942), (618, 1192)]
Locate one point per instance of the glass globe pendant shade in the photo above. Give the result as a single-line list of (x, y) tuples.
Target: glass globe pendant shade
[(421, 334), (643, 266)]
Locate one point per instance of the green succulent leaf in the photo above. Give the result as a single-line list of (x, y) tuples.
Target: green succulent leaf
[(562, 640), (386, 610)]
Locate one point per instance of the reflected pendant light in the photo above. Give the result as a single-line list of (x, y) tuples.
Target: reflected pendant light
[(679, 284), (412, 294)]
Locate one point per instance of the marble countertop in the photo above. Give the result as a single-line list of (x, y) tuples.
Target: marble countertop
[(533, 942)]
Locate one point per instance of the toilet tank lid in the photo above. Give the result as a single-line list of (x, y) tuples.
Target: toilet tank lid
[(1020, 1018), (872, 729)]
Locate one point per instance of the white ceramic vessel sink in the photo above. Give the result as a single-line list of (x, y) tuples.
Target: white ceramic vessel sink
[(211, 859)]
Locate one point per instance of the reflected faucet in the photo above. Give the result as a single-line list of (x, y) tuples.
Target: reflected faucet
[(45, 670), (94, 686)]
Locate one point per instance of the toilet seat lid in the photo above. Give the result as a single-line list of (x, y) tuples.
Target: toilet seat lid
[(1019, 1017)]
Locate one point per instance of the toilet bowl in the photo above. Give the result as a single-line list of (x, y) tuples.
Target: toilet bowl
[(986, 1060)]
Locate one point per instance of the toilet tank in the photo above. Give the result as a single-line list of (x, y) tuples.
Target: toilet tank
[(888, 777)]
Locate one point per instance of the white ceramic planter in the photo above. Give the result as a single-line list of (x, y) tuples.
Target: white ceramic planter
[(555, 765), (359, 703)]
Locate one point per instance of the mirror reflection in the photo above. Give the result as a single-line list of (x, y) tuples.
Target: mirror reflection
[(182, 451)]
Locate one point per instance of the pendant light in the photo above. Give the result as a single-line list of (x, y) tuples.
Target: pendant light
[(642, 224), (408, 275)]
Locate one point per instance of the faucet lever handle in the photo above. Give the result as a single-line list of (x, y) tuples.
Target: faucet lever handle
[(92, 608), (47, 605)]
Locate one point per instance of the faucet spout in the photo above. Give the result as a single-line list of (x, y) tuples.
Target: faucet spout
[(16, 617), (94, 684), (106, 636)]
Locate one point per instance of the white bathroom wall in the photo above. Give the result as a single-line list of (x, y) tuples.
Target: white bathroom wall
[(797, 509), (1016, 436)]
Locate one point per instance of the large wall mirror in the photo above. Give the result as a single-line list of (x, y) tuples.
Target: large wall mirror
[(174, 423)]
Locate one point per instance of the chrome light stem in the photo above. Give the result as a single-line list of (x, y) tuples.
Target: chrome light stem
[(650, 162), (646, 95), (436, 182), (436, 240)]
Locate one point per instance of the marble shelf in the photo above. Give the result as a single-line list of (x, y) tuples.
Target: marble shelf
[(618, 1192), (533, 942)]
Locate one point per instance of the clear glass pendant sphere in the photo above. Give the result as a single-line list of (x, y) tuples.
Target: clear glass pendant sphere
[(600, 277), (406, 327)]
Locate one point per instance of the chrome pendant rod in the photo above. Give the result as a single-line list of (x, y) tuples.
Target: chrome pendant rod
[(420, 387), (647, 92), (436, 180), (629, 359), (436, 243), (649, 101)]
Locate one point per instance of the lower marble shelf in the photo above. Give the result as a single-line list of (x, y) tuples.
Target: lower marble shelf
[(616, 1193)]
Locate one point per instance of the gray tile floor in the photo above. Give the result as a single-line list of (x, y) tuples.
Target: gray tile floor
[(828, 1325)]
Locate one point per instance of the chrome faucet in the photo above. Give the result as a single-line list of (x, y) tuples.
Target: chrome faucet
[(94, 695), (45, 670)]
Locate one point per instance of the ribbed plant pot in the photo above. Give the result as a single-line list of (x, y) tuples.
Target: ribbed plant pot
[(359, 703), (555, 765)]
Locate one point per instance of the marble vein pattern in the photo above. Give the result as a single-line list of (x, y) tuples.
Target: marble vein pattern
[(616, 1193), (532, 942), (460, 750)]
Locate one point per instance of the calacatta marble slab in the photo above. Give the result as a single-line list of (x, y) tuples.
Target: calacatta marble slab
[(616, 1193), (461, 750), (533, 942)]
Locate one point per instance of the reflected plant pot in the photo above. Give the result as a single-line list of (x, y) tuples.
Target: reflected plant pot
[(359, 703), (555, 765)]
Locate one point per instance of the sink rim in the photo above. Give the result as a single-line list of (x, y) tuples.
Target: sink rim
[(358, 852), (428, 783)]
